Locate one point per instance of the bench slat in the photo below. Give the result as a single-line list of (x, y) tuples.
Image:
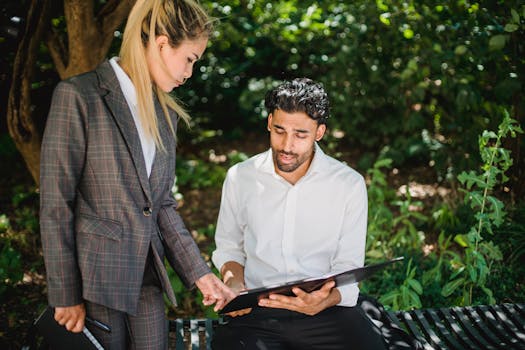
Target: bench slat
[(427, 329), (194, 334), (179, 338), (209, 332), (495, 325), (468, 336), (515, 312), (449, 338), (505, 313), (411, 327)]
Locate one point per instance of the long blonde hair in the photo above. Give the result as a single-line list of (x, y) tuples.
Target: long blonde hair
[(177, 19)]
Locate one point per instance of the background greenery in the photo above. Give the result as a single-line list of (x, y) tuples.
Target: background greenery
[(427, 99)]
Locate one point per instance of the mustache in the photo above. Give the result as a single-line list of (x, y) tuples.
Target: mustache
[(287, 153)]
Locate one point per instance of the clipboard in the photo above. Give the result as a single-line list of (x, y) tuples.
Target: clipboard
[(250, 297), (59, 338)]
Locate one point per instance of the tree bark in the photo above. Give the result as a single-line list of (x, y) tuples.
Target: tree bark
[(89, 37), (20, 123)]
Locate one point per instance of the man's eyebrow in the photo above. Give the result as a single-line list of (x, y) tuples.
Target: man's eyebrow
[(301, 131), (196, 56)]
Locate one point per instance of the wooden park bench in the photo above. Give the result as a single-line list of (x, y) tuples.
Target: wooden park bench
[(472, 327)]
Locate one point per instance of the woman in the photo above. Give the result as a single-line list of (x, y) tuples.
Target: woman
[(108, 217)]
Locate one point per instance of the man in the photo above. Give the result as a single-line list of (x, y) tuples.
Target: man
[(290, 213)]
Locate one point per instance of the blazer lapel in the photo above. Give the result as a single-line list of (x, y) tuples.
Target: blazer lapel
[(161, 161), (121, 113)]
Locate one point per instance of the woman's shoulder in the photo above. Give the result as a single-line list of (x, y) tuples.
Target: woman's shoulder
[(92, 80)]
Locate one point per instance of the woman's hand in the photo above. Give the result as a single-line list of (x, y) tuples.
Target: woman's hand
[(214, 291), (71, 317)]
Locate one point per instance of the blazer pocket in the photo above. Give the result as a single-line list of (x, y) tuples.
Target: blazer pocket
[(101, 227)]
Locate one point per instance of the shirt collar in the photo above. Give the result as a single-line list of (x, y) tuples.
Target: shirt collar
[(128, 89)]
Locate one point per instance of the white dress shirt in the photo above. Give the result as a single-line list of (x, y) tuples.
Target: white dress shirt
[(281, 232), (128, 89)]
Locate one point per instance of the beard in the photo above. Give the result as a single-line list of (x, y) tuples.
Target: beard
[(293, 162)]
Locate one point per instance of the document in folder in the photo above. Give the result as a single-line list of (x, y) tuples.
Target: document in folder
[(59, 338), (250, 298)]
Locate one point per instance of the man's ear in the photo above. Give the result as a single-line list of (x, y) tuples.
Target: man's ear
[(269, 125), (319, 133)]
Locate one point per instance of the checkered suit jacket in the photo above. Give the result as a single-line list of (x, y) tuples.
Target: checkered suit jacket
[(99, 212)]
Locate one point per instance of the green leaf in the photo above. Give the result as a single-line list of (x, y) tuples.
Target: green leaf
[(415, 285), (375, 254), (515, 16), (497, 214), (460, 50), (385, 18), (497, 42), (476, 198), (383, 163), (460, 239), (470, 178), (408, 33), (472, 273), (511, 27), (450, 287)]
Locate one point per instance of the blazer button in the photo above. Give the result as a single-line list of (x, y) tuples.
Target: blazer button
[(147, 211)]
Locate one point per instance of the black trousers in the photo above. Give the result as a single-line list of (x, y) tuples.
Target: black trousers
[(275, 329)]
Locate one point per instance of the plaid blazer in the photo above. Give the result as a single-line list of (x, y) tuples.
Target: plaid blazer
[(99, 211)]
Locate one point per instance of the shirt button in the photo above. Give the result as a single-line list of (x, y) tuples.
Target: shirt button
[(147, 211)]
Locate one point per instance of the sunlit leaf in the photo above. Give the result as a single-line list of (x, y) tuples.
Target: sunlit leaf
[(497, 42), (460, 50), (511, 27), (460, 239), (451, 287)]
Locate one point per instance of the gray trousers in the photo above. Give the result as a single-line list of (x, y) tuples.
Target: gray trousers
[(147, 330)]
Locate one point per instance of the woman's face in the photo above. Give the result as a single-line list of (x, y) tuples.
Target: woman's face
[(176, 62)]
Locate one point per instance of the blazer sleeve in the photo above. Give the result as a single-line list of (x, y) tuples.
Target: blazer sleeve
[(61, 165), (180, 248)]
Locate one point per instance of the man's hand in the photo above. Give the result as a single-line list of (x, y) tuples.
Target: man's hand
[(214, 291), (71, 317), (306, 303)]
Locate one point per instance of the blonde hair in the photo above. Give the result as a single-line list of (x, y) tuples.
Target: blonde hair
[(178, 20)]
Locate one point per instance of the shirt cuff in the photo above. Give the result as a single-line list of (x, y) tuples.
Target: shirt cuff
[(349, 294), (220, 259)]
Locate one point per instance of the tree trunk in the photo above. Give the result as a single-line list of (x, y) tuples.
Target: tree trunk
[(89, 37), (21, 125)]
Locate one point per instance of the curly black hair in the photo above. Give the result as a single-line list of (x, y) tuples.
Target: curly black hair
[(300, 95)]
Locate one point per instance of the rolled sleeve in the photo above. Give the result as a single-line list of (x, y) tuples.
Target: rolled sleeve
[(351, 248), (229, 236)]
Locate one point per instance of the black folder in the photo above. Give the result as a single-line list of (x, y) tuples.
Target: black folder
[(250, 297), (59, 338)]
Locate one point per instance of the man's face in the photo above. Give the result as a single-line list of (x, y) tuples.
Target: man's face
[(292, 138)]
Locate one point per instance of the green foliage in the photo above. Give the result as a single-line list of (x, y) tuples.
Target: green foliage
[(460, 266), (423, 78), (209, 173), (11, 271), (391, 233), (406, 296), (390, 230), (471, 270)]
